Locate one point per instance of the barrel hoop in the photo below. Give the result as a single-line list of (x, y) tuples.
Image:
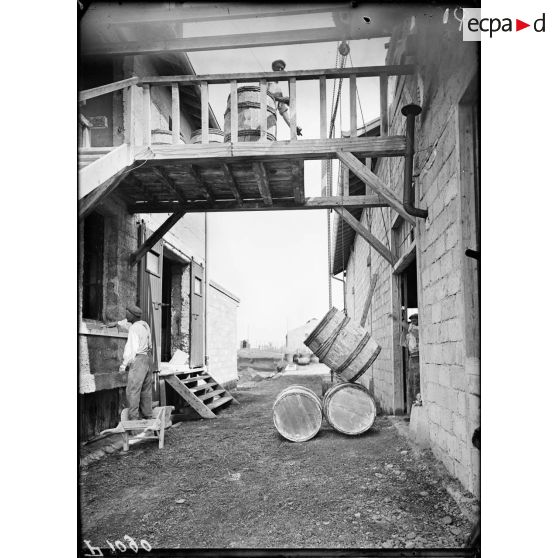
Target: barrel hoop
[(320, 327), (354, 354), (253, 104), (367, 365), (329, 342), (245, 133)]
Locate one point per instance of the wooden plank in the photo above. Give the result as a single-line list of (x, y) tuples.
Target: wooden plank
[(229, 179), (220, 401), (155, 237), (353, 105), (234, 111), (86, 136), (298, 183), (189, 397), (110, 380), (146, 115), (175, 113), (263, 183), (204, 190), (366, 234), (135, 13), (325, 202), (263, 110), (233, 41), (292, 107), (345, 180), (166, 179), (404, 261), (368, 301), (98, 172), (205, 111), (108, 88), (246, 77), (368, 177), (392, 146), (87, 204), (384, 113)]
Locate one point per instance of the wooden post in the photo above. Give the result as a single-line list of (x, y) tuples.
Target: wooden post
[(234, 111), (384, 115), (205, 111), (146, 115), (323, 128), (129, 136), (86, 137), (352, 104), (345, 185), (175, 114), (263, 110), (292, 107)]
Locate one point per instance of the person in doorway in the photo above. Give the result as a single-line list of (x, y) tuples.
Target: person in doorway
[(281, 101), (137, 356), (413, 368)]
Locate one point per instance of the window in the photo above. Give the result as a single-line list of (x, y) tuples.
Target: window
[(152, 263), (197, 286), (93, 260)]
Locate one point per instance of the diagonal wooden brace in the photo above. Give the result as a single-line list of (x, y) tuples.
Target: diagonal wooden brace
[(370, 179), (367, 235)]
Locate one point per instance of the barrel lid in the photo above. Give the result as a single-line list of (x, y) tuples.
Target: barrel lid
[(349, 408)]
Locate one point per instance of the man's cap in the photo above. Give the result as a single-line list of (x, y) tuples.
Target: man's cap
[(413, 317), (135, 310), (276, 63)]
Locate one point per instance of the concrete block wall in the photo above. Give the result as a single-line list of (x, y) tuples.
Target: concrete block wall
[(449, 380), (222, 334)]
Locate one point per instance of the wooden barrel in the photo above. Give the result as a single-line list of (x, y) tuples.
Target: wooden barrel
[(249, 115), (161, 137), (297, 413), (349, 408), (343, 345), (215, 136)]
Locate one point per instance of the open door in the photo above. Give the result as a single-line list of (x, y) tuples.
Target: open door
[(196, 315), (150, 273)]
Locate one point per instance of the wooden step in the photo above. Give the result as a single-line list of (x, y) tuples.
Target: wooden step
[(203, 386), (210, 394), (195, 379), (220, 401)]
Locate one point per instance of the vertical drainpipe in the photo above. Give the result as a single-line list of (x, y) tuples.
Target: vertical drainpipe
[(206, 297)]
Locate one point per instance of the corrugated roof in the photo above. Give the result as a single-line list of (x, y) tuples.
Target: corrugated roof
[(343, 235)]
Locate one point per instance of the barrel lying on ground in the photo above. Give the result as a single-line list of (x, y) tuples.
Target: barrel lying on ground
[(297, 413), (349, 408), (343, 345)]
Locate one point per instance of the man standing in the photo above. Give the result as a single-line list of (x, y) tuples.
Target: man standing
[(413, 368), (277, 94), (137, 355)]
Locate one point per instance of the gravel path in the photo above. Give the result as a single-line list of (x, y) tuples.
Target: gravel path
[(235, 482)]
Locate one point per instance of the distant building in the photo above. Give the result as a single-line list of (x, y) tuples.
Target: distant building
[(296, 337)]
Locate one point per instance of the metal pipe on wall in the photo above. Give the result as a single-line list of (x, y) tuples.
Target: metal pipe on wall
[(410, 112)]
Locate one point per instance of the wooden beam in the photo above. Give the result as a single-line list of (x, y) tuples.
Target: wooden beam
[(403, 262), (229, 179), (134, 13), (384, 112), (368, 177), (326, 202), (189, 397), (205, 111), (155, 237), (366, 234), (146, 115), (263, 110), (353, 105), (392, 146), (292, 107), (368, 301), (298, 182), (87, 204), (345, 180), (234, 111), (263, 183), (165, 178), (108, 88), (323, 131), (175, 113), (205, 192), (233, 41), (300, 75)]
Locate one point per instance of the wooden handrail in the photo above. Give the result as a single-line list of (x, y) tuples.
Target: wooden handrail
[(84, 121), (331, 73), (108, 88)]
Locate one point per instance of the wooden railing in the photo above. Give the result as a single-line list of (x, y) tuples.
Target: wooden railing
[(263, 78), (85, 126)]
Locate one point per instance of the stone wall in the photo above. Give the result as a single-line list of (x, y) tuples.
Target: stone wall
[(449, 371), (221, 334)]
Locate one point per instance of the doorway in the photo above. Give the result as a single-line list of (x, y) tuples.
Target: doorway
[(409, 351), (166, 313)]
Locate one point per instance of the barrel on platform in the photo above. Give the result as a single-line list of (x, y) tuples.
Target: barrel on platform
[(349, 408), (215, 136), (340, 343), (249, 115), (297, 413)]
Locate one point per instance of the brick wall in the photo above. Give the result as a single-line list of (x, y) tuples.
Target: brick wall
[(449, 374), (222, 334)]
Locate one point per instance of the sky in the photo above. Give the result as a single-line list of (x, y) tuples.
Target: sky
[(276, 262)]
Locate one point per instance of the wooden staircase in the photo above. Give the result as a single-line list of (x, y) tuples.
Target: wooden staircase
[(200, 390), (88, 155)]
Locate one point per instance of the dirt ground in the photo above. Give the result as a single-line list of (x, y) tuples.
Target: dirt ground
[(235, 482)]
